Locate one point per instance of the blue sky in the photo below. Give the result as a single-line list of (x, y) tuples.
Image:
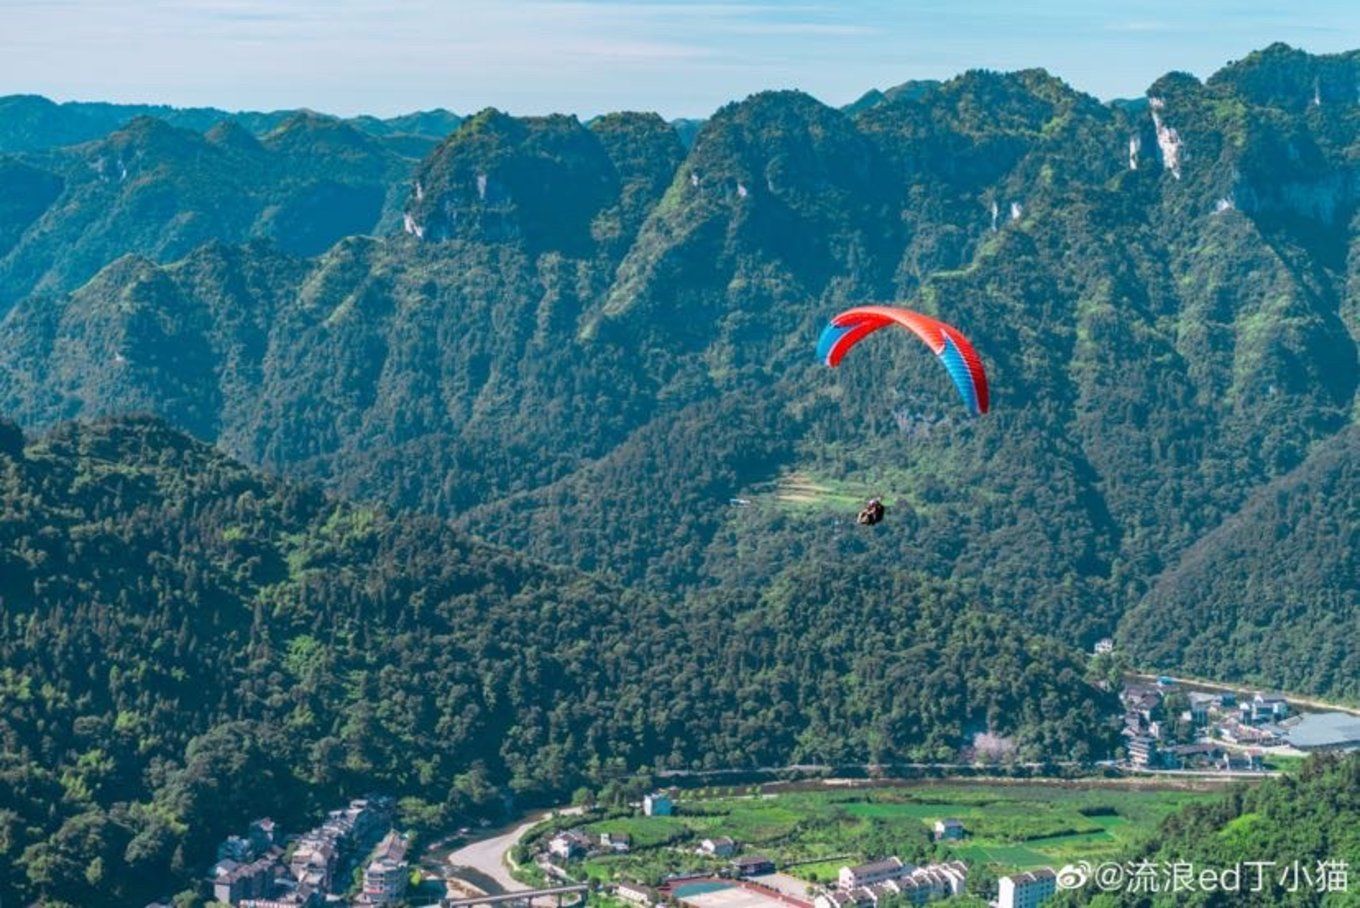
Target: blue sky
[(591, 56)]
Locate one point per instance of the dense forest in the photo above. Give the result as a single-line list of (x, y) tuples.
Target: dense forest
[(460, 456), (582, 340), (1292, 828), (184, 642)]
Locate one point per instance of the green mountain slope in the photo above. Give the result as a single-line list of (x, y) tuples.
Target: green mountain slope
[(1294, 840), (160, 191), (588, 339), (1288, 619), (185, 643), (35, 123)]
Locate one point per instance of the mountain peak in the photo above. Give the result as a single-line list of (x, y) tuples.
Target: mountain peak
[(147, 133), (231, 134), (311, 133), (1287, 77), (536, 180)]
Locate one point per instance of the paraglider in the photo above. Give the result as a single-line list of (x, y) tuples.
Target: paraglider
[(953, 349), (871, 514)]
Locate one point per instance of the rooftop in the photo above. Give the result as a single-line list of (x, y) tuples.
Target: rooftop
[(1326, 730), (887, 865)]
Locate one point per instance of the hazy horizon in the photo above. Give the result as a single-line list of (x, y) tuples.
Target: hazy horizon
[(593, 56)]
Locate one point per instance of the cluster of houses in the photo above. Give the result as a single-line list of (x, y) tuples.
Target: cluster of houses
[(868, 885), (1220, 731), (255, 870), (877, 883), (577, 843), (1154, 740), (893, 881)]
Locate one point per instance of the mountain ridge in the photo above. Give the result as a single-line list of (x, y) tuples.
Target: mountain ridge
[(1163, 293)]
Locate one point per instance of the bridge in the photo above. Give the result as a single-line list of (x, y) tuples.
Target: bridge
[(523, 895)]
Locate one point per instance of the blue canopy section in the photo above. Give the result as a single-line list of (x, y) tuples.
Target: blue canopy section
[(963, 379), (830, 335)]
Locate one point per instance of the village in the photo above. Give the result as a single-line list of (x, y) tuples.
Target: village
[(262, 869), (356, 857), (1167, 727), (737, 879)]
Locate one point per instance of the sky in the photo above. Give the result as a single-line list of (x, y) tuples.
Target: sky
[(682, 59)]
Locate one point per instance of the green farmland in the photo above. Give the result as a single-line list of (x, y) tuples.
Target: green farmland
[(811, 834)]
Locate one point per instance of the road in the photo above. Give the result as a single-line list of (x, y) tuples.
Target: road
[(1294, 699), (487, 856), (879, 768)]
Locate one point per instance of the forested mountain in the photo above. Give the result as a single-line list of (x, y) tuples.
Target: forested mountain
[(1293, 618), (582, 340), (161, 191), (1297, 832), (34, 123), (184, 643)]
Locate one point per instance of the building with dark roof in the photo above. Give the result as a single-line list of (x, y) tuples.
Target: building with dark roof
[(753, 865), (872, 872)]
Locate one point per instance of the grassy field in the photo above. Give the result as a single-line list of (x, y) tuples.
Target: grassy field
[(1282, 762), (1009, 826)]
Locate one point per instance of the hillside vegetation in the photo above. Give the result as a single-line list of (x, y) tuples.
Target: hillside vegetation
[(583, 340), (1293, 828), (185, 643)]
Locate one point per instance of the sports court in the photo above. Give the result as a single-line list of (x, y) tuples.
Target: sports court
[(718, 894)]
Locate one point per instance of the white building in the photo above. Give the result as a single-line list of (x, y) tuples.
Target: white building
[(873, 872), (948, 830), (385, 881), (1027, 890), (1269, 708), (568, 845), (631, 892), (719, 847)]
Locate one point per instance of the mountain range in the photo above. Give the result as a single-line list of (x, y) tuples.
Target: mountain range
[(582, 340), (512, 428)]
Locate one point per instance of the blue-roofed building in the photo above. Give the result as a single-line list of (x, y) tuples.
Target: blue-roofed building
[(658, 804)]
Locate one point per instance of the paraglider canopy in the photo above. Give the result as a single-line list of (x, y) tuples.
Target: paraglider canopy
[(953, 349)]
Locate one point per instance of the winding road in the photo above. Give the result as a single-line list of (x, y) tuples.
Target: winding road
[(488, 856)]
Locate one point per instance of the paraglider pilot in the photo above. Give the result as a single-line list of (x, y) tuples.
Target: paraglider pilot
[(871, 514)]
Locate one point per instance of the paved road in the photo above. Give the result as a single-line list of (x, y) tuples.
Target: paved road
[(487, 856), (1310, 702)]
